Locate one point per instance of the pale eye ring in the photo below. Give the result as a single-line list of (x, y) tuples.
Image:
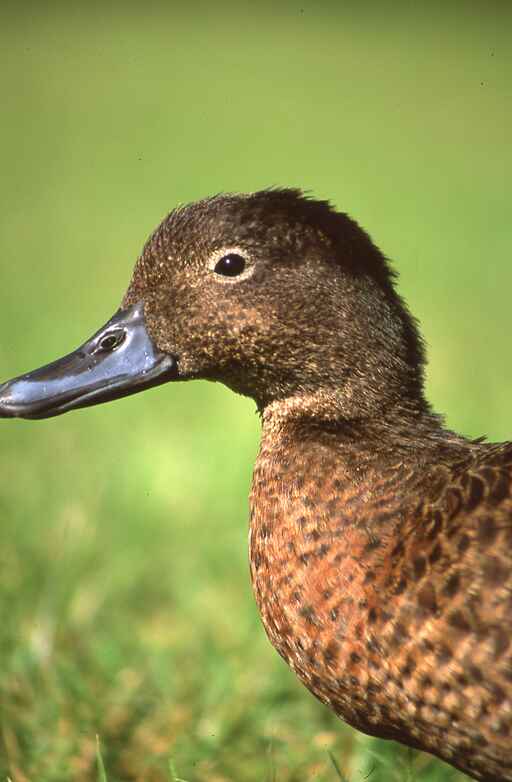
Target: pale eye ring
[(230, 265)]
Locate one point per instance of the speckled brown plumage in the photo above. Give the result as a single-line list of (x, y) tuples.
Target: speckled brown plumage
[(382, 572), (380, 542)]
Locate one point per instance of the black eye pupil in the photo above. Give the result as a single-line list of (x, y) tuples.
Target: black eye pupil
[(230, 265)]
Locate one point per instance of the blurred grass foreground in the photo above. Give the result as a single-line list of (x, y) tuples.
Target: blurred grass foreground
[(126, 606)]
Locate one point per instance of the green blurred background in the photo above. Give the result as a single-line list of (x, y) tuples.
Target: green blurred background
[(125, 599)]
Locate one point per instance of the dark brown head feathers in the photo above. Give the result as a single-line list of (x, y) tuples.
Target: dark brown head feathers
[(319, 281)]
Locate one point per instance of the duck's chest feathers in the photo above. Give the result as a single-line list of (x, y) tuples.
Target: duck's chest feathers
[(319, 552)]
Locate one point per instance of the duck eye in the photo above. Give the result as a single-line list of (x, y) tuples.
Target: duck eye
[(230, 265), (111, 340)]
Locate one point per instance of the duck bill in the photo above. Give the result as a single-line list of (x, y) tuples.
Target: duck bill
[(120, 359)]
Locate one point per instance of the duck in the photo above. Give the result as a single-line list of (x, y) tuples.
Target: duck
[(380, 542)]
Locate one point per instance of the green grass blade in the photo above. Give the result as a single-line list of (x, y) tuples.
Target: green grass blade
[(102, 774)]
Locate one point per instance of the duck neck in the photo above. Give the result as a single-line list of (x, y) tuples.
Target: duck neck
[(303, 439), (392, 427)]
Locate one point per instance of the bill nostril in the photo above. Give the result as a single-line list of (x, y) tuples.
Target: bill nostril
[(111, 340)]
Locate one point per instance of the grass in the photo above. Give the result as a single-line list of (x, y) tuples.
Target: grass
[(102, 774), (124, 593)]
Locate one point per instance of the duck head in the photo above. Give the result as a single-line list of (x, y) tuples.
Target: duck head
[(274, 294)]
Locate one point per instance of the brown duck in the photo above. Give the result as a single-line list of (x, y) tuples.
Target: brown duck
[(380, 542)]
